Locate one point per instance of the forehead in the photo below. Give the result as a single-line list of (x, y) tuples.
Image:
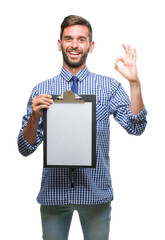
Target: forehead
[(76, 31)]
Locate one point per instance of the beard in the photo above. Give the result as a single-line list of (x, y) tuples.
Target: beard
[(74, 64)]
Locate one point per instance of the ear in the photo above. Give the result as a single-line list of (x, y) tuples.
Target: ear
[(92, 45), (59, 45)]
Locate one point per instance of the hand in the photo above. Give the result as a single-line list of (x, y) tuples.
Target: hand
[(40, 102), (129, 69)]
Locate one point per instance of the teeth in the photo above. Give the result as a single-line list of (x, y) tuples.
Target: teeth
[(74, 53)]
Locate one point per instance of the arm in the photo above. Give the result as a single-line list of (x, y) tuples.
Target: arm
[(120, 108), (129, 71), (31, 133), (38, 103)]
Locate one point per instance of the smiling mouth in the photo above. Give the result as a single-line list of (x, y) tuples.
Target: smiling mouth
[(74, 53)]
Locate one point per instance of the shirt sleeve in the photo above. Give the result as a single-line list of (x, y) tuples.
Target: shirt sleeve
[(120, 108), (23, 146)]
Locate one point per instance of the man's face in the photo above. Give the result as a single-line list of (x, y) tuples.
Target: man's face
[(75, 46)]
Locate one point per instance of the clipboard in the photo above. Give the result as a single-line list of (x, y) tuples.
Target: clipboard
[(69, 127)]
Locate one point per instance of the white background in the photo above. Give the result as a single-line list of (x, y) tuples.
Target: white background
[(28, 55)]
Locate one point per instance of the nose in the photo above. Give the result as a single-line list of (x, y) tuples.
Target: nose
[(74, 43)]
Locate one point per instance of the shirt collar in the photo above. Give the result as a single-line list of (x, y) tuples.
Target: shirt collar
[(80, 75)]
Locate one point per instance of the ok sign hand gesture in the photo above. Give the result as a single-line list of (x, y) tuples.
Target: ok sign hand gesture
[(129, 69)]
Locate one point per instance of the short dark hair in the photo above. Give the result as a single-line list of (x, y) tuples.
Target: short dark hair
[(75, 20)]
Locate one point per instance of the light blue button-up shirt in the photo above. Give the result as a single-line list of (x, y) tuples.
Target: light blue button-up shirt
[(61, 186)]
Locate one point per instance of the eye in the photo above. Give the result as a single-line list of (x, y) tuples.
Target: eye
[(68, 39), (82, 40)]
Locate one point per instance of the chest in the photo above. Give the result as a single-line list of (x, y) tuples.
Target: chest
[(87, 87)]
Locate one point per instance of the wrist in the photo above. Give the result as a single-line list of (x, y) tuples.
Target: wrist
[(30, 131), (135, 84), (34, 117)]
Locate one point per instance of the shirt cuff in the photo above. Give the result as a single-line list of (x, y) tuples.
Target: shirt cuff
[(139, 117), (24, 147)]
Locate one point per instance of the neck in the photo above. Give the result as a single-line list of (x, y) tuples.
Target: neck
[(73, 70)]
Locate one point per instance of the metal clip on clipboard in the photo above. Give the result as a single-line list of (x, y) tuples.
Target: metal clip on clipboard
[(69, 97)]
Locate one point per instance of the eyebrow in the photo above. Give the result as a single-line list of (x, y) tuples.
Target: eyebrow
[(68, 36)]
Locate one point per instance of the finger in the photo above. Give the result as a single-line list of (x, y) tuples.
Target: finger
[(135, 54), (126, 49), (45, 99), (124, 46), (132, 53), (119, 69), (44, 95), (122, 59), (129, 48), (40, 107), (42, 99), (119, 59)]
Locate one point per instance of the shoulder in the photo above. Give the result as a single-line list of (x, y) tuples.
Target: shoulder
[(45, 86)]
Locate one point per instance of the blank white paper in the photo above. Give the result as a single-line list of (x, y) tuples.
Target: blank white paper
[(69, 134)]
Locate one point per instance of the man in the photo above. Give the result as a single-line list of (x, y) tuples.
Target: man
[(89, 191)]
